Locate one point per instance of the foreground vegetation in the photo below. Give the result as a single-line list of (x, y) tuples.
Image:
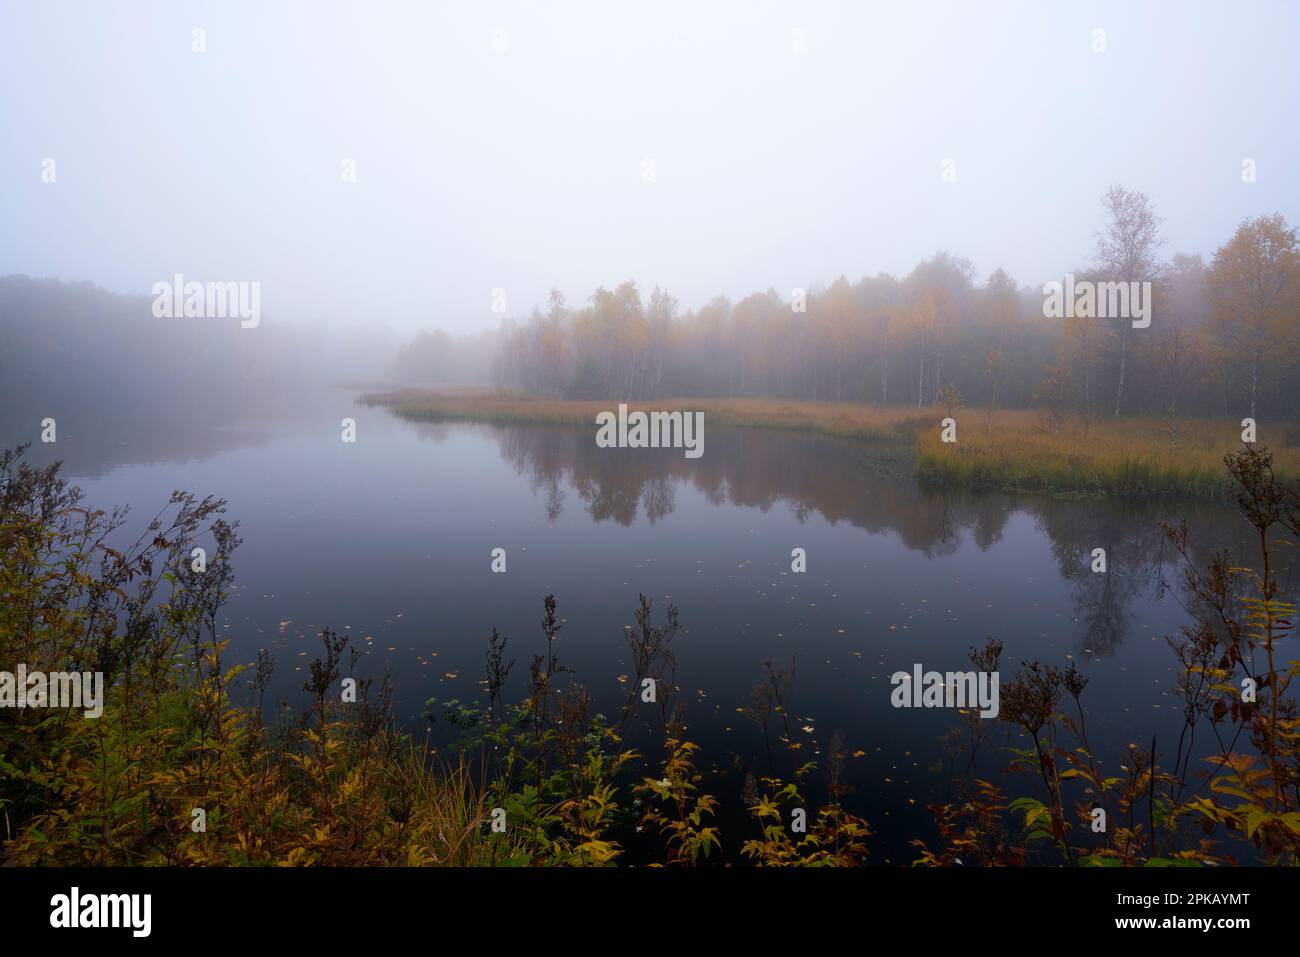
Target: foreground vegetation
[(1009, 449), (550, 780)]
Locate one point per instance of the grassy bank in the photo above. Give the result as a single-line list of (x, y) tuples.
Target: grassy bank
[(1130, 456), (840, 419)]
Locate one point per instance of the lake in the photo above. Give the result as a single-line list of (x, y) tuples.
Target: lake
[(390, 539)]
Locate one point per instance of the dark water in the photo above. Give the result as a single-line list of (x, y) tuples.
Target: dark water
[(389, 539)]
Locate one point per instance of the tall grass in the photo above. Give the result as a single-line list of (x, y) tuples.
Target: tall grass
[(840, 419), (1131, 456), (1011, 449)]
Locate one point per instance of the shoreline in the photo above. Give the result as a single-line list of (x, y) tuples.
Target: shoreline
[(1010, 451)]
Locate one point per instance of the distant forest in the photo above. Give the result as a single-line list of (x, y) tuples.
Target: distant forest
[(1224, 337), (65, 338)]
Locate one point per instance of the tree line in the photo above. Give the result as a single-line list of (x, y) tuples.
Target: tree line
[(1222, 340)]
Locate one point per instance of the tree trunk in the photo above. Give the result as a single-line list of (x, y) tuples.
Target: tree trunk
[(1123, 362), (884, 375), (1254, 382), (938, 369)]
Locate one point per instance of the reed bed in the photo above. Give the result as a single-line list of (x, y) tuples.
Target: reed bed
[(1012, 449)]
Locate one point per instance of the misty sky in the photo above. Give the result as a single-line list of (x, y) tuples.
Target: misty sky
[(523, 169)]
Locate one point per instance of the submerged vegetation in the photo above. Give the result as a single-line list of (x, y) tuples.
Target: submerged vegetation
[(188, 765)]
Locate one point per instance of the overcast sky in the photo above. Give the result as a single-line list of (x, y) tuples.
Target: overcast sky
[(524, 167)]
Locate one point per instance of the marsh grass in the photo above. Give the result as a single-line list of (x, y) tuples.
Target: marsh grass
[(1011, 449), (1129, 456), (840, 419)]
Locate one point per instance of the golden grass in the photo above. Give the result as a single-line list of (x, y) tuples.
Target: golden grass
[(842, 419), (1129, 456)]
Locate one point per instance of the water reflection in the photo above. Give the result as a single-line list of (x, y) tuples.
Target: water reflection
[(387, 540), (864, 486), (839, 482)]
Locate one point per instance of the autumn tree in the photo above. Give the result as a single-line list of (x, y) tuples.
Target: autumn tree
[(550, 345), (1254, 289), (1053, 395), (1176, 359), (660, 314), (839, 314), (939, 290), (1081, 335), (1002, 305), (878, 298), (994, 366), (1126, 252)]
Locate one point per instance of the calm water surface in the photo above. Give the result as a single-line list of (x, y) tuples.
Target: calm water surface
[(389, 540)]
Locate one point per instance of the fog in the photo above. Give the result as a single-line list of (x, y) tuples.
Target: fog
[(504, 146), (313, 313)]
